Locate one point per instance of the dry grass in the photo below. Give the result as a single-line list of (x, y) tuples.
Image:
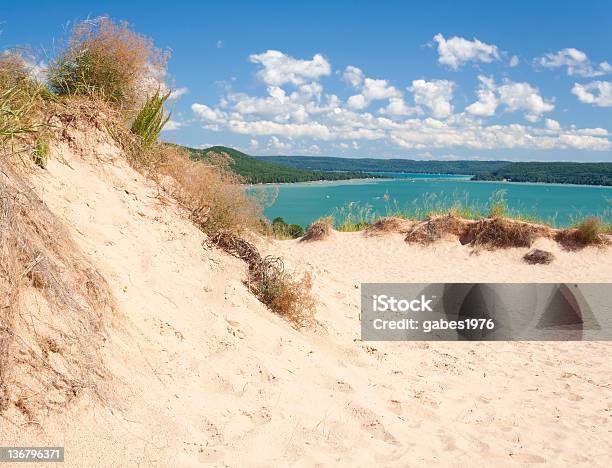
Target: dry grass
[(53, 306), (213, 195), (319, 230), (589, 232), (21, 103), (287, 296), (435, 228), (502, 233), (110, 61), (388, 225), (538, 257)]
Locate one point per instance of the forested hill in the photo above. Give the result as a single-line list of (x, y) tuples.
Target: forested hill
[(553, 172), (326, 163), (547, 172), (256, 171)]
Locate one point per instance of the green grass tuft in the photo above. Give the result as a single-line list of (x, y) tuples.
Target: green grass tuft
[(151, 118), (41, 152)]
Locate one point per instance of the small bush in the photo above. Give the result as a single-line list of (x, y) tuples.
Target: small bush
[(214, 196), (151, 118), (20, 100), (435, 228), (538, 257), (319, 230), (282, 230), (587, 232), (388, 225), (502, 233), (109, 61)]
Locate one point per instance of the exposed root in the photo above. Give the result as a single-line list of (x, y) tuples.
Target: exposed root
[(267, 279)]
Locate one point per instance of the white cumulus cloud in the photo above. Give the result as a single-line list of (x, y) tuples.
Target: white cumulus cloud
[(598, 93), (456, 51), (436, 95), (370, 89), (576, 63), (514, 96), (279, 68)]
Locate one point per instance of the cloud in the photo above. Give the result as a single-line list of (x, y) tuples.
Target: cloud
[(276, 144), (514, 96), (456, 51), (523, 96), (176, 94), (576, 63), (397, 106), (220, 44), (254, 143), (436, 95), (552, 125), (370, 89), (279, 68), (602, 97), (208, 114), (487, 100), (514, 61), (353, 75), (172, 125), (298, 120)]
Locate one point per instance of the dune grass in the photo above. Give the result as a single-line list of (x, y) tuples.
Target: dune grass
[(109, 61), (151, 118)]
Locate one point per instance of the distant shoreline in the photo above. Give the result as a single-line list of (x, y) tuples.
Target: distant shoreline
[(452, 177)]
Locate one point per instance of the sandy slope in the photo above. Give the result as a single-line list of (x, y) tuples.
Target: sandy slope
[(206, 374)]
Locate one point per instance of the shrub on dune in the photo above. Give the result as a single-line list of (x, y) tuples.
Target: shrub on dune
[(319, 230), (435, 228), (502, 233), (588, 232), (108, 60)]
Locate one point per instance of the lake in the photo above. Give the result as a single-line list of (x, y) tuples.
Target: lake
[(560, 204)]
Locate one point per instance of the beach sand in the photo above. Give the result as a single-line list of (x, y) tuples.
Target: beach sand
[(204, 374)]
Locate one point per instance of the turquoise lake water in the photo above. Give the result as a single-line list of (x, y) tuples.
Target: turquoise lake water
[(560, 204)]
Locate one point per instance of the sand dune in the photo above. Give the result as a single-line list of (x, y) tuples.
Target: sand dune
[(205, 374)]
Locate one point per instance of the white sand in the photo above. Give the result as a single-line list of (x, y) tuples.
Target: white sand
[(205, 374)]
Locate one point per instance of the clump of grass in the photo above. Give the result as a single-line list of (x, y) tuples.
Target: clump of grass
[(282, 230), (151, 118), (20, 101), (108, 60), (435, 228), (538, 257), (502, 233), (319, 230), (588, 232), (353, 217), (387, 225), (41, 152), (498, 207)]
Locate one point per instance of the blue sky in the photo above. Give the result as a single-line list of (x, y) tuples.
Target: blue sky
[(453, 80)]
